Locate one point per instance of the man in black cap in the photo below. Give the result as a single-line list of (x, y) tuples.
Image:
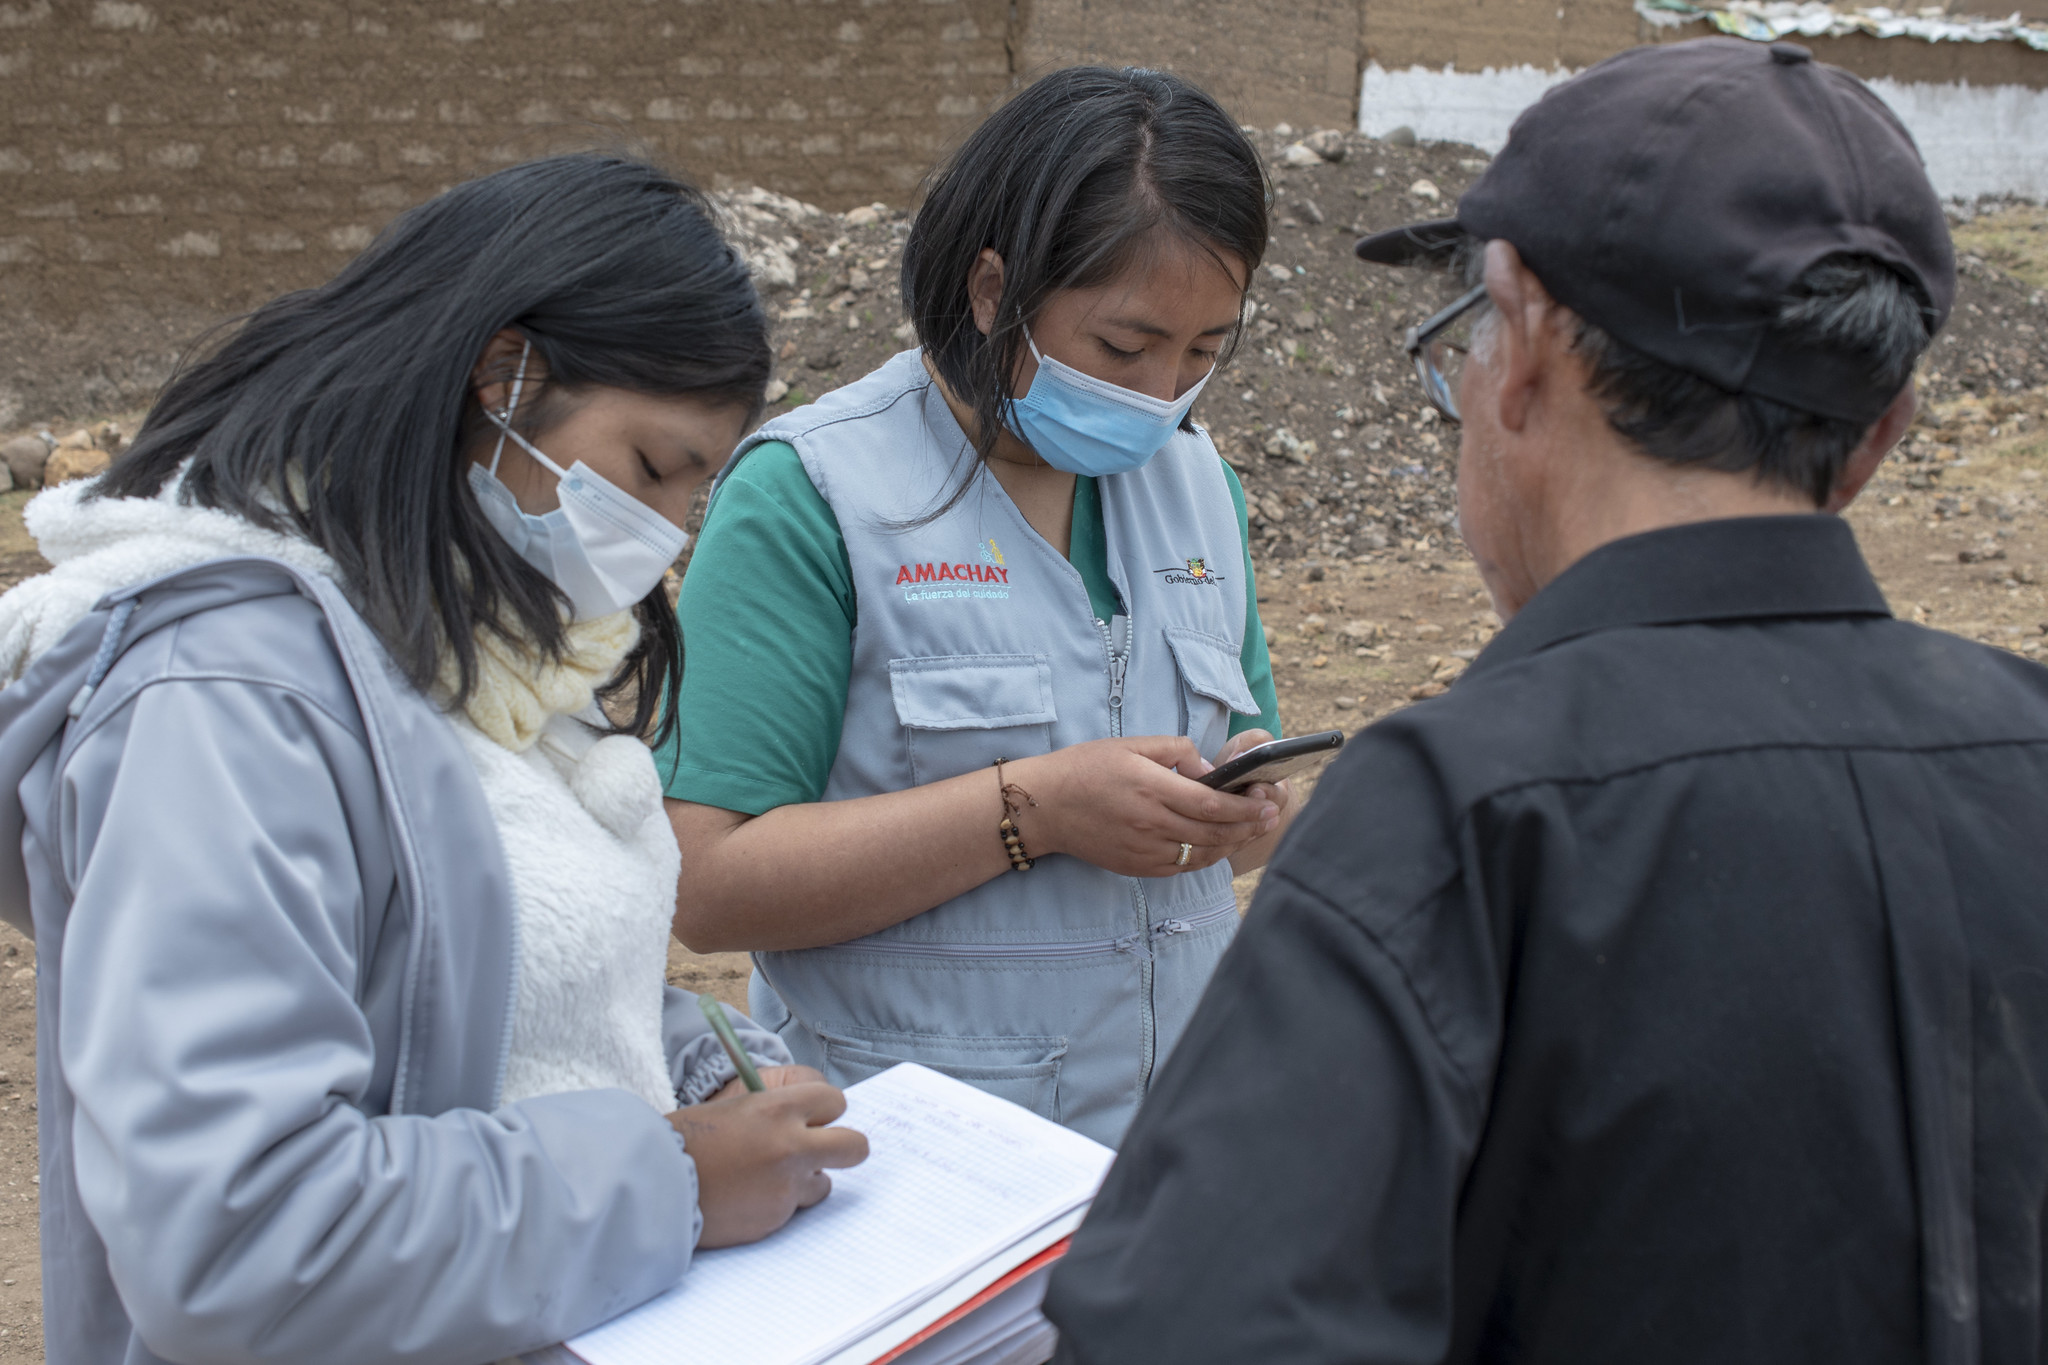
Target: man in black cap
[(1675, 988)]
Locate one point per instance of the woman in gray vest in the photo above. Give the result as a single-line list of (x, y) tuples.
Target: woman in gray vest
[(962, 632)]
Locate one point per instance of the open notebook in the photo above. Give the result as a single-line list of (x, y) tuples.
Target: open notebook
[(961, 1194)]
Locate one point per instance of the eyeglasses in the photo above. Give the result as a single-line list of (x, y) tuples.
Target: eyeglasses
[(1439, 345)]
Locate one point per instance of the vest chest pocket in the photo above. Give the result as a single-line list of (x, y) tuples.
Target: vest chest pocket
[(1212, 686), (960, 712)]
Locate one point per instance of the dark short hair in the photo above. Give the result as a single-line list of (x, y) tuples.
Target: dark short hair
[(1068, 182), (1855, 307), (343, 412)]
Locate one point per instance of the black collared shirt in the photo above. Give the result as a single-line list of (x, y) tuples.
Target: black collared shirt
[(1674, 989)]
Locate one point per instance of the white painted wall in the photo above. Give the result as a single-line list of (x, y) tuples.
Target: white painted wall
[(1976, 139)]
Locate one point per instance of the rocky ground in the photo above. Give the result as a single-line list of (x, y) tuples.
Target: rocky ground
[(1368, 599)]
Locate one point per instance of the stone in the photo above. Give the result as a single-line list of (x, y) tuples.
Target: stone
[(1344, 703), (1424, 691), (107, 436), (25, 457), (75, 462), (1316, 574), (1279, 274), (1299, 156), (1312, 624), (1306, 321), (1272, 509), (865, 216), (80, 439), (823, 360), (1326, 143), (1362, 632), (1404, 136), (1425, 189), (1283, 130), (777, 390)]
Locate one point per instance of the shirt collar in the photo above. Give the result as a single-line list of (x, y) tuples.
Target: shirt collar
[(1740, 568)]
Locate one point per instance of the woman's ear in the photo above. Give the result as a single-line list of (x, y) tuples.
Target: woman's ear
[(985, 288), (491, 377)]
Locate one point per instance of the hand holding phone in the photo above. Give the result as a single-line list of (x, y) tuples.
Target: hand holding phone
[(1273, 761)]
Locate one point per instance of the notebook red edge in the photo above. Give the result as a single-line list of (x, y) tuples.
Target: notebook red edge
[(1032, 1266)]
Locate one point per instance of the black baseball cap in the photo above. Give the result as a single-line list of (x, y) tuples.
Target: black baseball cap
[(1672, 195)]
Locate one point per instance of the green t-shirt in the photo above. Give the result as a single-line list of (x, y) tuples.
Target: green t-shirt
[(767, 613)]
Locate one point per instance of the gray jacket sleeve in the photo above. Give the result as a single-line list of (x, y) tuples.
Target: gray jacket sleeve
[(254, 1202), (696, 1060)]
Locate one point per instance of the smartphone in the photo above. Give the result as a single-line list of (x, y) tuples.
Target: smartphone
[(1272, 761)]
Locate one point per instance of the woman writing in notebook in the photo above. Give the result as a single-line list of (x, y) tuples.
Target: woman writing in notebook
[(350, 901), (963, 632)]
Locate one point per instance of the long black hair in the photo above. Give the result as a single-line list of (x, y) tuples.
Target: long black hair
[(1067, 183), (344, 412)]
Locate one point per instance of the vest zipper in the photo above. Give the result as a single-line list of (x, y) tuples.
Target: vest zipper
[(1129, 943), (1168, 928), (1119, 656)]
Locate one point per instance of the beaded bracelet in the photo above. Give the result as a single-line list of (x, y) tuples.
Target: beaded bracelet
[(1013, 842)]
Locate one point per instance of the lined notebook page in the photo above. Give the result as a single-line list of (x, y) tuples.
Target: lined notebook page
[(954, 1178)]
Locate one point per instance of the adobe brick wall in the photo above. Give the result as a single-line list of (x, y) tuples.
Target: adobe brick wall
[(1268, 61), (168, 163), (165, 163)]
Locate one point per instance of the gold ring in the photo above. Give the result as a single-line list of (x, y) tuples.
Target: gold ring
[(1185, 850)]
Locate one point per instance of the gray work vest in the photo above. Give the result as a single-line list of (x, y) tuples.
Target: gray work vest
[(1060, 987)]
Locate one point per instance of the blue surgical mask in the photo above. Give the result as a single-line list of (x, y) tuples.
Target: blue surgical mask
[(1086, 425)]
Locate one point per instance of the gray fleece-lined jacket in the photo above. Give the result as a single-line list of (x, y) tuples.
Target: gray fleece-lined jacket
[(275, 956)]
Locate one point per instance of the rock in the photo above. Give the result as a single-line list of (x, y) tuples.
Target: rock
[(107, 436), (1404, 136), (75, 462), (1272, 509), (1362, 632), (1299, 156), (1279, 274), (1317, 574), (1313, 625), (862, 217), (858, 279), (25, 457), (80, 439), (824, 360), (1425, 189), (778, 389), (1344, 703), (1306, 321), (1425, 691), (1326, 143), (1283, 130)]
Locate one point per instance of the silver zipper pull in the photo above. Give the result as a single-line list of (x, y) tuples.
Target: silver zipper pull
[(1119, 660)]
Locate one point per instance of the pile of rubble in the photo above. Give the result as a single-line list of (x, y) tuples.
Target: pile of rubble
[(1317, 410), (39, 457)]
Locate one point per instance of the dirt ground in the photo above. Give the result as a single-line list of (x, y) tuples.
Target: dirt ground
[(1369, 601)]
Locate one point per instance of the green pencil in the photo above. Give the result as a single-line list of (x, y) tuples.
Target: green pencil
[(722, 1026)]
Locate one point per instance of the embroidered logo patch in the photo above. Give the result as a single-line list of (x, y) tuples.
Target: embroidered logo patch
[(986, 577), (1197, 571)]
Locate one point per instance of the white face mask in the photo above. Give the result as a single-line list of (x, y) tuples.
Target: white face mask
[(604, 548)]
